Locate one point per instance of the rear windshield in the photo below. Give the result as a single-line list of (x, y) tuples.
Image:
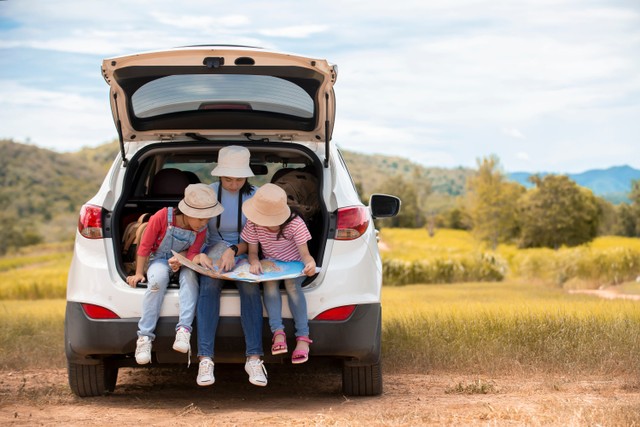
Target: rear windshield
[(186, 93)]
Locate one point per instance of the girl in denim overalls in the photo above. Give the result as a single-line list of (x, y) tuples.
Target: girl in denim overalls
[(169, 230)]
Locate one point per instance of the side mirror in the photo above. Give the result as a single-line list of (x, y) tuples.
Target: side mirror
[(384, 206)]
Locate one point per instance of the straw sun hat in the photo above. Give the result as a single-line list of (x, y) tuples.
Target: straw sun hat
[(268, 207), (233, 161), (200, 201)]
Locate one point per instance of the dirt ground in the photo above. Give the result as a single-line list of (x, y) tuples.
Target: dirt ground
[(312, 396)]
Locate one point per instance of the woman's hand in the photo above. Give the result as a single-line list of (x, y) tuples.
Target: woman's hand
[(227, 260)]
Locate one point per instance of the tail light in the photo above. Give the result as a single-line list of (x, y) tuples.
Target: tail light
[(336, 314), (352, 222), (90, 222), (97, 312)]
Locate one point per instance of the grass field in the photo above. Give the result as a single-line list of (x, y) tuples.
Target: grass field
[(481, 327), (412, 256), (503, 327), (508, 327)]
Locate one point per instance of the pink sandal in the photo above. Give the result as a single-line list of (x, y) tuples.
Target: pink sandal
[(301, 356), (279, 347)]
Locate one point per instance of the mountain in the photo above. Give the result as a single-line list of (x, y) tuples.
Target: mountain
[(613, 184), (371, 170), (42, 190)]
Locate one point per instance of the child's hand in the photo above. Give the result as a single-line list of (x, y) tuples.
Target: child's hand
[(310, 268), (174, 264), (255, 267), (135, 279), (204, 261)]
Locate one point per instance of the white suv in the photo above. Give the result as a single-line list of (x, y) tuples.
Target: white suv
[(174, 110)]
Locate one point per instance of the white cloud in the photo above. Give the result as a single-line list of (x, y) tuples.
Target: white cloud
[(434, 80), (56, 120), (296, 32), (513, 133)]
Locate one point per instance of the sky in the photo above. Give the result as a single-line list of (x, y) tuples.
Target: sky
[(544, 85)]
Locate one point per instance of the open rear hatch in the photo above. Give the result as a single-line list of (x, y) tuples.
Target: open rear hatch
[(221, 92)]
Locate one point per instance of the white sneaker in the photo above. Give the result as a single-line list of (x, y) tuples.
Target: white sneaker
[(257, 372), (143, 350), (205, 373), (182, 342)]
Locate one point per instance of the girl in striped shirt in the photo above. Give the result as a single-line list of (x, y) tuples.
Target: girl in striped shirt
[(282, 235)]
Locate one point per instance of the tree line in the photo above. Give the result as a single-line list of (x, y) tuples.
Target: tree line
[(555, 212)]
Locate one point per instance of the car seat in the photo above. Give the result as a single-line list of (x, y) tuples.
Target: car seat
[(169, 182)]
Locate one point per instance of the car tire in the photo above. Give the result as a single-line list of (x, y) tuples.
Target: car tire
[(92, 380), (362, 380)]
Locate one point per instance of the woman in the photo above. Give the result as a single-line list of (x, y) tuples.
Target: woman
[(223, 242)]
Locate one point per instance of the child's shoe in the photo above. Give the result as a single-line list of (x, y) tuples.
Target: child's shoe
[(143, 350), (182, 342), (301, 355)]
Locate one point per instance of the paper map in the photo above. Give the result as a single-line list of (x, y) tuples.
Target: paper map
[(271, 269)]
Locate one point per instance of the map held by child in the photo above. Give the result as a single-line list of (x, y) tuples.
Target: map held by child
[(271, 269)]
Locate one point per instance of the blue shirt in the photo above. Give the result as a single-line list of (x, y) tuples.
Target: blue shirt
[(228, 231)]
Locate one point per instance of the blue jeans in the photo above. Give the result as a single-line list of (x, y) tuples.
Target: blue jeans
[(209, 314), (297, 305), (188, 296), (158, 280)]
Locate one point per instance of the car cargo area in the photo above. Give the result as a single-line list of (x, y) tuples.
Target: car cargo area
[(157, 175)]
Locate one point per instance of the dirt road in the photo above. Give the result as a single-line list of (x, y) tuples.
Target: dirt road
[(169, 397)]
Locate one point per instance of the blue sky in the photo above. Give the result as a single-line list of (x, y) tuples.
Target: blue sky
[(546, 85)]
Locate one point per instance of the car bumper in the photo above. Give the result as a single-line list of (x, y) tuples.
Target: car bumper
[(357, 339)]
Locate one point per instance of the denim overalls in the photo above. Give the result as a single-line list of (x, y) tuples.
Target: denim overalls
[(159, 272)]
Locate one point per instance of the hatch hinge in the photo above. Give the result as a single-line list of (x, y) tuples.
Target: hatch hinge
[(119, 129), (326, 131)]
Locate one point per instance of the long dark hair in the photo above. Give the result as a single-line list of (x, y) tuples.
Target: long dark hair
[(247, 187), (294, 213)]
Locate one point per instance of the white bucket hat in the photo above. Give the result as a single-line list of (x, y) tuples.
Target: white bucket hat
[(233, 161), (268, 207), (200, 201)]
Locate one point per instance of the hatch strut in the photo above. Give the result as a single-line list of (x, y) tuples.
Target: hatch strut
[(119, 129), (326, 130)]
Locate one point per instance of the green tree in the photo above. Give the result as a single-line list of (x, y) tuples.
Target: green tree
[(634, 195), (608, 219), (422, 187), (626, 221), (558, 212), (408, 194), (491, 203)]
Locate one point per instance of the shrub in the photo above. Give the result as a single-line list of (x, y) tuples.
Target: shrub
[(481, 267)]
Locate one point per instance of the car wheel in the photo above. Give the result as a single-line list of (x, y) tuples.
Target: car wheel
[(362, 380), (92, 380)]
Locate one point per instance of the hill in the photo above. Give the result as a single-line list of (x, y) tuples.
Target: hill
[(613, 184), (43, 189), (371, 170)]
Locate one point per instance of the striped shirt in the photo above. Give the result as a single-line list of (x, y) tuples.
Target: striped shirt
[(284, 249)]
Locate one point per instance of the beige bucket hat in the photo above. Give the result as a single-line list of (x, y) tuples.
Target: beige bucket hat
[(200, 201), (233, 161), (268, 207)]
